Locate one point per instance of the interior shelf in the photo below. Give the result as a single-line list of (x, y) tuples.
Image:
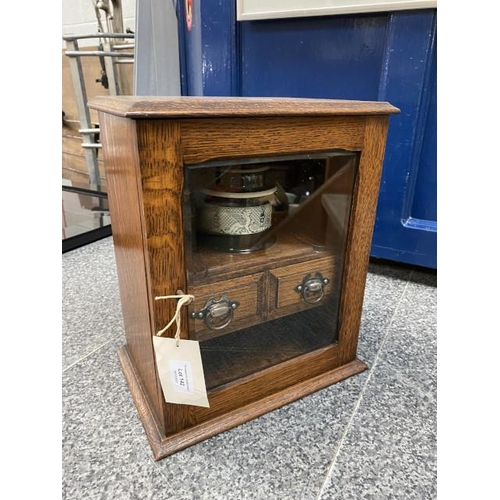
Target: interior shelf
[(206, 264)]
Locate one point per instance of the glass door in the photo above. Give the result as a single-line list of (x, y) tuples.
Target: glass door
[(265, 250)]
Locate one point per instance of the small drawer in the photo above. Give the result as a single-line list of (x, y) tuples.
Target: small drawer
[(225, 306), (302, 285)]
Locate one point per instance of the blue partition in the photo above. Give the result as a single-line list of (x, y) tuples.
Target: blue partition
[(388, 56)]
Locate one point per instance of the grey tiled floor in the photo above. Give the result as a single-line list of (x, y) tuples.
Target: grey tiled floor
[(372, 436)]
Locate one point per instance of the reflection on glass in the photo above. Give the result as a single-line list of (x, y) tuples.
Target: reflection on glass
[(265, 245), (85, 216)]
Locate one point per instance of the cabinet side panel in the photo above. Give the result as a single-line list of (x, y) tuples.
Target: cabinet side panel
[(360, 234), (125, 204)]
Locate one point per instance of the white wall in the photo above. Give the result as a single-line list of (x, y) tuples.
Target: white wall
[(79, 18)]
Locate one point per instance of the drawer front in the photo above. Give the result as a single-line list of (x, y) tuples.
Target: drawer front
[(302, 285), (226, 306)]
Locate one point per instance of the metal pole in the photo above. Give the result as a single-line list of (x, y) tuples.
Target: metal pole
[(84, 116), (87, 53), (113, 86), (98, 35)]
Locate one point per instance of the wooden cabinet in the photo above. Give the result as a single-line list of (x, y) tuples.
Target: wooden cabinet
[(263, 210)]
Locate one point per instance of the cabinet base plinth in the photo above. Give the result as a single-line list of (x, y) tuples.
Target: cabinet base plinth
[(162, 445)]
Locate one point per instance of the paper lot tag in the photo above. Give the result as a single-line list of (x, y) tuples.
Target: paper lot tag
[(181, 371)]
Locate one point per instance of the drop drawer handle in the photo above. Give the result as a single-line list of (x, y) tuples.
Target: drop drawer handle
[(217, 313), (312, 288)]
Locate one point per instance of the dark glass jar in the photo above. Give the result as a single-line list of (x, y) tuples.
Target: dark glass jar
[(235, 221)]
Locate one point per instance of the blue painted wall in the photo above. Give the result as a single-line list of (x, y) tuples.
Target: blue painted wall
[(385, 56), (313, 57)]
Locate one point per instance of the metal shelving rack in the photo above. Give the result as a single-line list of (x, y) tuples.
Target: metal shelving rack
[(111, 55)]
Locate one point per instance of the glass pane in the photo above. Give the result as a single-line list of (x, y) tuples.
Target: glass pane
[(265, 244), (84, 213)]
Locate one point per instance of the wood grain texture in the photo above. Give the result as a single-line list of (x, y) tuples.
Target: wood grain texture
[(162, 178), (247, 290), (140, 107), (146, 157), (239, 415), (208, 266), (125, 202), (219, 138), (288, 277), (268, 381), (268, 294), (163, 445), (361, 226), (147, 412)]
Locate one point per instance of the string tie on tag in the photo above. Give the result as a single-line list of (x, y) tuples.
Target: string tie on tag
[(183, 299)]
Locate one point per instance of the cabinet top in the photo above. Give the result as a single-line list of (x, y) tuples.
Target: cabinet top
[(194, 107)]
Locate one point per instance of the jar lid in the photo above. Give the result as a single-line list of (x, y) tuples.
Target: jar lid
[(240, 196), (246, 170)]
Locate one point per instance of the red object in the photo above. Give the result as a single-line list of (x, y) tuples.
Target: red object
[(189, 14)]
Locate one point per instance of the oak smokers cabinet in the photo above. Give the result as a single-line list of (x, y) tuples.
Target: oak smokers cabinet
[(263, 210)]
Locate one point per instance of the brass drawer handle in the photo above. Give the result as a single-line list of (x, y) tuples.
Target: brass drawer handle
[(312, 288), (217, 313)]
